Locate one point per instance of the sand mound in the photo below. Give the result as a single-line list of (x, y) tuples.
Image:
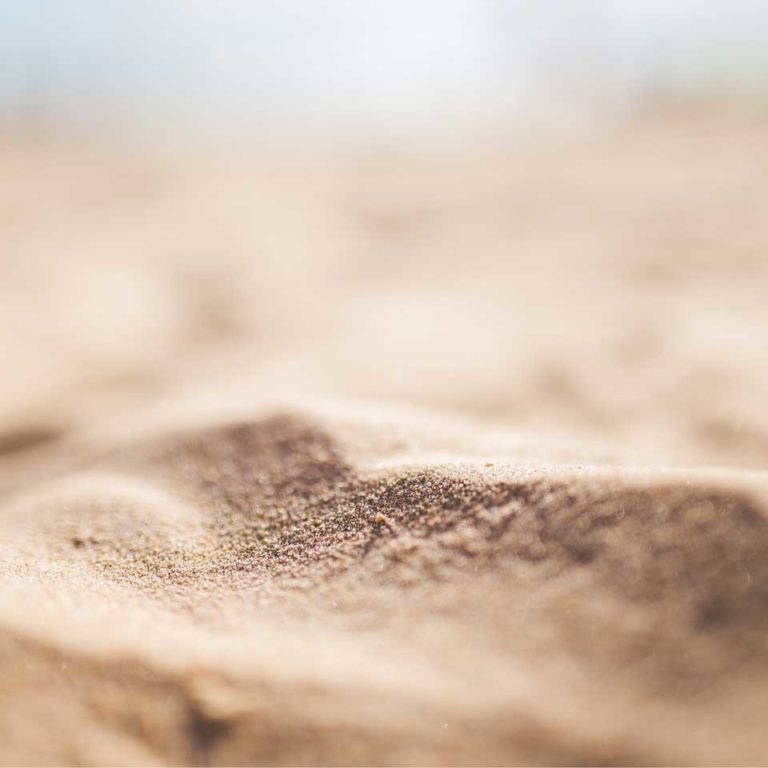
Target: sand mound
[(295, 588)]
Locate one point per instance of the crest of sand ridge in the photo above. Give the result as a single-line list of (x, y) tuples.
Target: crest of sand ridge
[(286, 507)]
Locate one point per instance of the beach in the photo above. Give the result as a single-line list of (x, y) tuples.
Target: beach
[(345, 456)]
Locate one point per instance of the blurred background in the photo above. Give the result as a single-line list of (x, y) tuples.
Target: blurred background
[(549, 215), (384, 70)]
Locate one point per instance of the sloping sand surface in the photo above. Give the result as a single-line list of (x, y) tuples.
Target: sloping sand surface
[(285, 589), (387, 460)]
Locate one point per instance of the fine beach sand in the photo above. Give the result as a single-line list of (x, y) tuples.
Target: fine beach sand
[(454, 456)]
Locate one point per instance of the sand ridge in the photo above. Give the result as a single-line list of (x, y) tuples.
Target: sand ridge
[(246, 593)]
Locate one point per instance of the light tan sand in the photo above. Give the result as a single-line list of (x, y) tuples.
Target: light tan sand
[(455, 458)]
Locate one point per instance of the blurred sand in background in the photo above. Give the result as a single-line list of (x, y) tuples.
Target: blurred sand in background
[(604, 284)]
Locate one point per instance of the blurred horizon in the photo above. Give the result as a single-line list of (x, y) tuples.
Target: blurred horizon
[(603, 283), (395, 69)]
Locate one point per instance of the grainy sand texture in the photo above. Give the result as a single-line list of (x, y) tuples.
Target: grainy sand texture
[(456, 456)]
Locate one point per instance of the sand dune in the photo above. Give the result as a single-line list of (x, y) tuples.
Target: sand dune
[(296, 588)]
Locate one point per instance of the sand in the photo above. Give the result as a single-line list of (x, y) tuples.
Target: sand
[(445, 457)]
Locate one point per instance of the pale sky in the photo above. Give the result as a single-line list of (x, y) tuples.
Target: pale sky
[(364, 65)]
